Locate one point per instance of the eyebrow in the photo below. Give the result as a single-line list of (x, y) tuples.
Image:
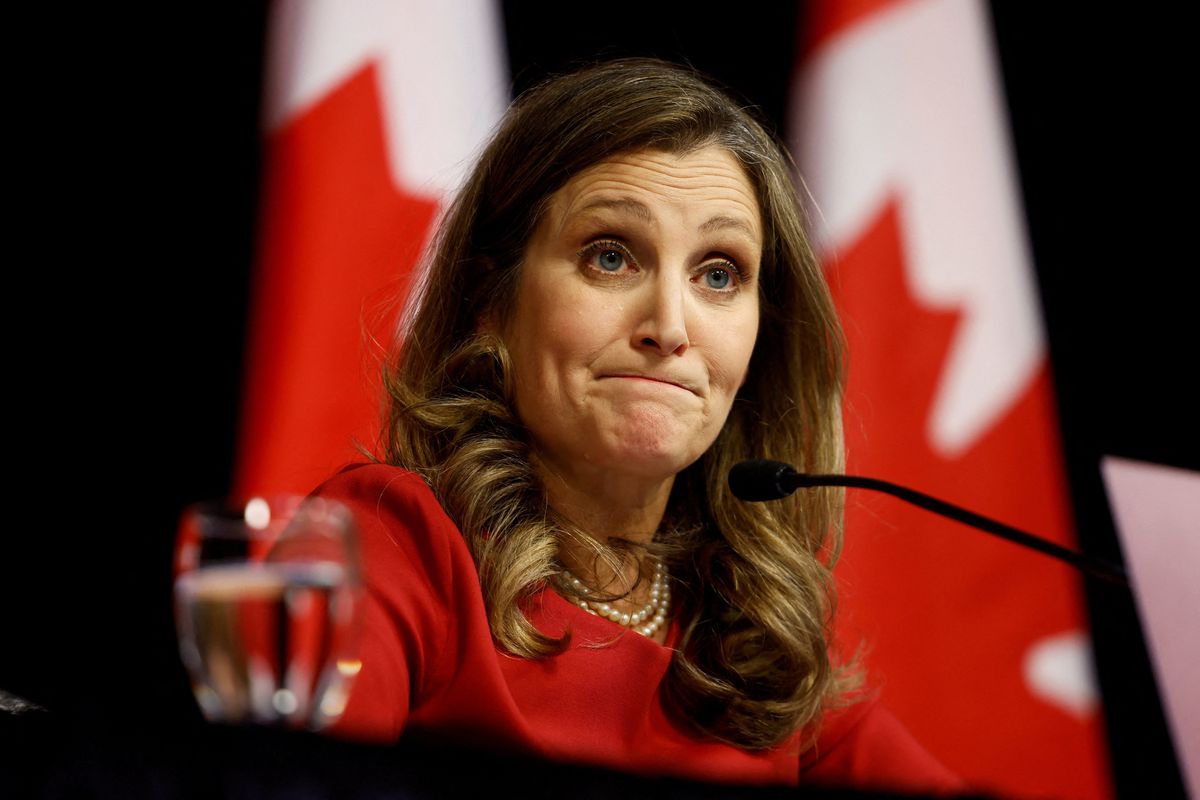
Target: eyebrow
[(725, 223), (642, 212), (625, 204)]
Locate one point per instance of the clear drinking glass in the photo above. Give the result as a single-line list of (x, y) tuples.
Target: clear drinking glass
[(268, 598)]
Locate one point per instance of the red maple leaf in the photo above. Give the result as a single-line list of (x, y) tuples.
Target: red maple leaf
[(338, 240), (948, 614)]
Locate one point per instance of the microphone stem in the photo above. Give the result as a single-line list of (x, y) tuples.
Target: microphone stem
[(1093, 566)]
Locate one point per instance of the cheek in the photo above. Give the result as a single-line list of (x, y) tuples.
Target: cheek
[(737, 349), (557, 339), (576, 326)]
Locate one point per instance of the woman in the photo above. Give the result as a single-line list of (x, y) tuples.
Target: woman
[(620, 305)]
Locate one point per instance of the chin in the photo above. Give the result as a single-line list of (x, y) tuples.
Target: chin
[(651, 466), (652, 454)]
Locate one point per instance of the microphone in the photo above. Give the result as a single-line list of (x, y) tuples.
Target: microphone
[(759, 480)]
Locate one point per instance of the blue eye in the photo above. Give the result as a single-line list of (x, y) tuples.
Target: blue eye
[(608, 256), (610, 260), (717, 279)]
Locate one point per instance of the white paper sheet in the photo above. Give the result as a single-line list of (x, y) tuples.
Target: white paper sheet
[(1157, 513)]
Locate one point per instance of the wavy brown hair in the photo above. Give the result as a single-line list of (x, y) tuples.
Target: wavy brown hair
[(753, 580)]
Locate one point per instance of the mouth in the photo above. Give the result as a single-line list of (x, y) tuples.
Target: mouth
[(676, 383)]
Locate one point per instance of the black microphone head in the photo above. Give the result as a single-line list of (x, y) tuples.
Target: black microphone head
[(758, 480)]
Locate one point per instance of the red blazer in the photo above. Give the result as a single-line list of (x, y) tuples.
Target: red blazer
[(430, 665)]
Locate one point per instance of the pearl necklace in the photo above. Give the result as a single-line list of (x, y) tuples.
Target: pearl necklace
[(655, 611)]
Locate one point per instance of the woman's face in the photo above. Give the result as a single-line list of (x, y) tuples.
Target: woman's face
[(637, 312)]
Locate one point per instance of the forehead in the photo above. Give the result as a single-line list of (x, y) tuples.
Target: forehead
[(701, 186)]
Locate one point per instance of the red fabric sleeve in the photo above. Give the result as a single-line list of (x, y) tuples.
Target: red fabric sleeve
[(404, 615), (866, 747)]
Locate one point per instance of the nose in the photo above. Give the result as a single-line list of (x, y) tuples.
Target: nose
[(662, 326)]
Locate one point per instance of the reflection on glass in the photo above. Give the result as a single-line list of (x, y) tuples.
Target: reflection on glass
[(267, 602)]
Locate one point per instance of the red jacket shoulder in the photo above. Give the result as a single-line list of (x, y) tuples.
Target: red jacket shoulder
[(865, 746)]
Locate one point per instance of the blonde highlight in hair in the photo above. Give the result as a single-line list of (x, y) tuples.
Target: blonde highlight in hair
[(753, 580)]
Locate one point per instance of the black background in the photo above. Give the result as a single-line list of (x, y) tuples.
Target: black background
[(135, 151)]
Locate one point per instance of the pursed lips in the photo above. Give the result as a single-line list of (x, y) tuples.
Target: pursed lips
[(678, 383)]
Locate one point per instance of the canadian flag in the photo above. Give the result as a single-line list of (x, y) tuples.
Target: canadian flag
[(373, 113), (979, 646)]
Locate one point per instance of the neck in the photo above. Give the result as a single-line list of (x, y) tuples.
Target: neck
[(604, 506)]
